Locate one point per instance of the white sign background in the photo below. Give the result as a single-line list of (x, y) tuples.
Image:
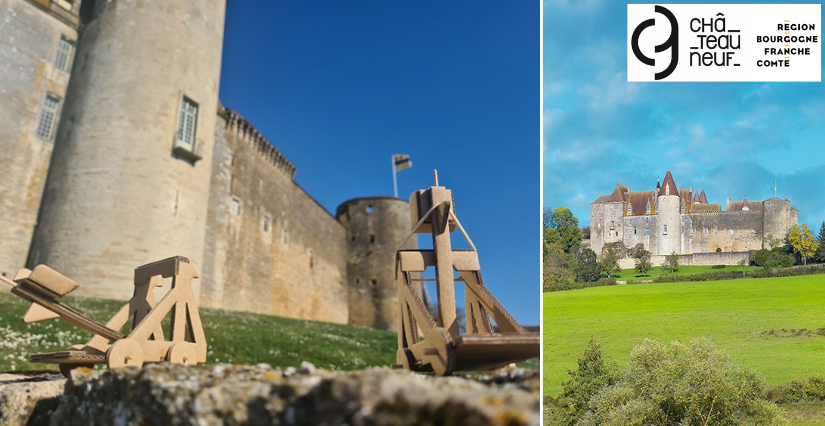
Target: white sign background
[(750, 19)]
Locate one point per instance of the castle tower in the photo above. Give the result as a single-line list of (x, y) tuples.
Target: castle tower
[(778, 217), (669, 223), (130, 173), (375, 226)]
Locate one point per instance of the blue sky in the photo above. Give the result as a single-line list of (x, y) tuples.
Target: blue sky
[(732, 139), (339, 87)]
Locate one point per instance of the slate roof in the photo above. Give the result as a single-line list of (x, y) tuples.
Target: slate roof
[(668, 184), (705, 208), (738, 206)]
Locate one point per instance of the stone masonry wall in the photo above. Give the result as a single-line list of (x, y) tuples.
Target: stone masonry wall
[(277, 251), (29, 38), (729, 231)]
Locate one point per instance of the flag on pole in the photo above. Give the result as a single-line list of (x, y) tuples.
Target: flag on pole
[(401, 162)]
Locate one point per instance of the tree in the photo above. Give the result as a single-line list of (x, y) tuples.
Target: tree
[(672, 262), (563, 229), (819, 257), (593, 374), (557, 268), (642, 257), (586, 268), (803, 242), (610, 263)]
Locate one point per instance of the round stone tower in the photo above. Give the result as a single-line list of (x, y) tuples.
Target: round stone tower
[(669, 220), (375, 226), (130, 173)]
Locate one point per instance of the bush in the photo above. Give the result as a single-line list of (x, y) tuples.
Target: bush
[(774, 258), (754, 273), (798, 391), (681, 385), (718, 267), (719, 249)]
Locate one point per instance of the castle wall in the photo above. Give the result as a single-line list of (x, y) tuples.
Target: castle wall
[(28, 76), (597, 232), (117, 196), (606, 219), (279, 252), (695, 259), (734, 231), (375, 228), (640, 230)]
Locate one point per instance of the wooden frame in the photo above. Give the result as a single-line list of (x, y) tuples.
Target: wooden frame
[(146, 342), (443, 350)]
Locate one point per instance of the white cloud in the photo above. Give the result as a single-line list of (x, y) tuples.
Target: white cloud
[(610, 90)]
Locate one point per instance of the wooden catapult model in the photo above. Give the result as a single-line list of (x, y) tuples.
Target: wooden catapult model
[(443, 350), (145, 343)]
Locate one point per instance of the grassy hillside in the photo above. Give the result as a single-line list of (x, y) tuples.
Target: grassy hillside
[(656, 272), (234, 337), (746, 318)]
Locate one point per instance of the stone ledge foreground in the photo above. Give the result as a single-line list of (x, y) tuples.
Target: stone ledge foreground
[(251, 395)]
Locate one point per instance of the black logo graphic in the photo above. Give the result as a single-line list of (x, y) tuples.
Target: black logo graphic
[(672, 43)]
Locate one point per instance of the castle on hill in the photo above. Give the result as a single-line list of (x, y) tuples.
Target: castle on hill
[(670, 219), (117, 153)]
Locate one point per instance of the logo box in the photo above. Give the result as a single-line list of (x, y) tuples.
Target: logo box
[(724, 42)]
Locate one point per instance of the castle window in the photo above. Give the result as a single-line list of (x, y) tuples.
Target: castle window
[(372, 239), (64, 55), (374, 282), (705, 231), (188, 121), (235, 207), (370, 209), (267, 219), (311, 258), (48, 118), (612, 225), (647, 231), (665, 233), (634, 230)]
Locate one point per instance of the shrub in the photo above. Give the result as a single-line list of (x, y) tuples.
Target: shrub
[(672, 262), (796, 391), (719, 249), (680, 384), (717, 267)]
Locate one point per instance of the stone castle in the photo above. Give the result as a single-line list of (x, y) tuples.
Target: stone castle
[(670, 219), (117, 152)]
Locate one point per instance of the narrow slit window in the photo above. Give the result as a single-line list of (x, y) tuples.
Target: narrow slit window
[(64, 55), (266, 224), (235, 207), (48, 118), (187, 124)]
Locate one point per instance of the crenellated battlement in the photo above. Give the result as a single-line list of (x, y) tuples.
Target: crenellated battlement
[(244, 129)]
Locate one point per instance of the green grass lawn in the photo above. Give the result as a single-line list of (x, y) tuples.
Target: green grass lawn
[(657, 271), (734, 314), (234, 337)]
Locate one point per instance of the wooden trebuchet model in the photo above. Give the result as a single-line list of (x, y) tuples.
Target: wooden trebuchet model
[(443, 350), (146, 342)]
